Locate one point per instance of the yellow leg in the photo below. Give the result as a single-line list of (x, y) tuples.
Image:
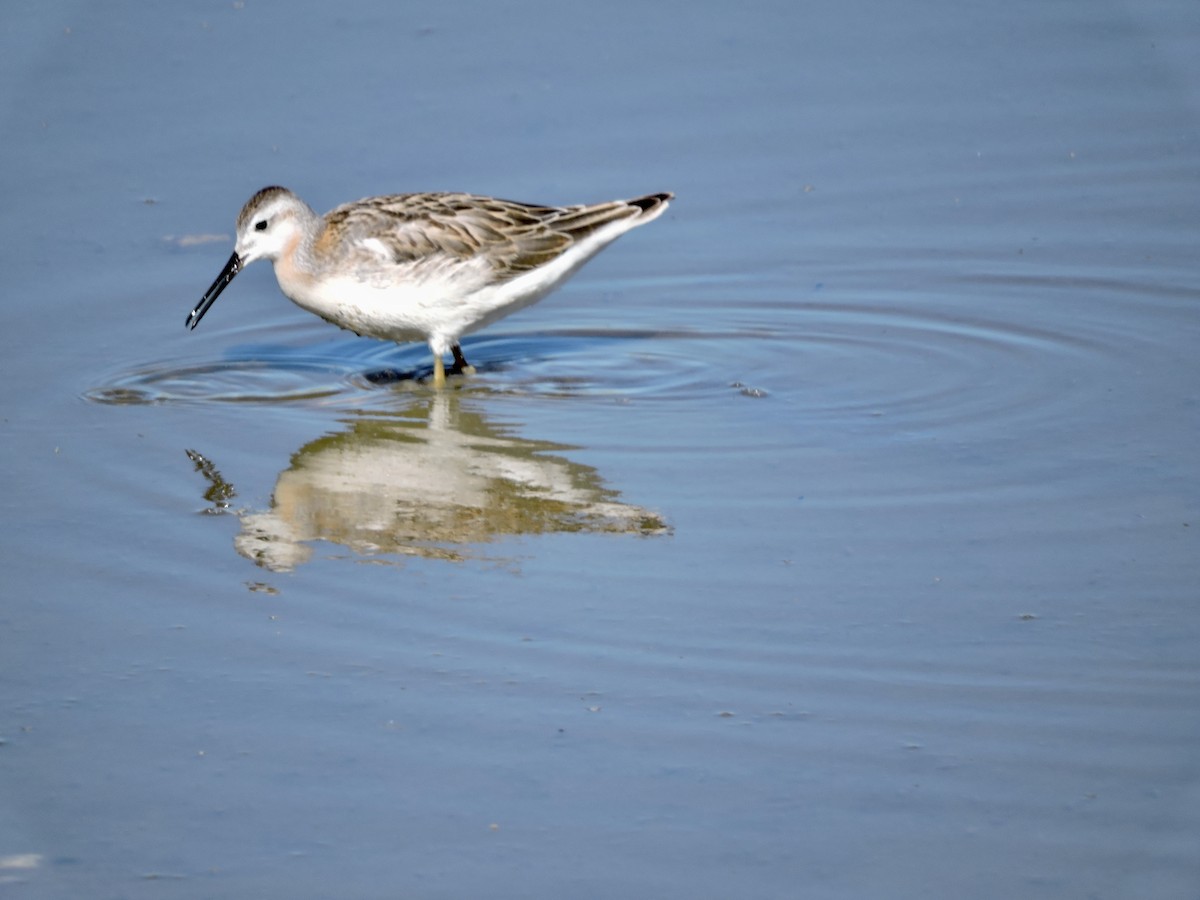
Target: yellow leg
[(439, 371)]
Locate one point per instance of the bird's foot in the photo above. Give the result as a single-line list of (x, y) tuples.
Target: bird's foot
[(461, 366)]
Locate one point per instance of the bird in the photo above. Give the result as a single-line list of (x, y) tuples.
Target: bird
[(427, 267)]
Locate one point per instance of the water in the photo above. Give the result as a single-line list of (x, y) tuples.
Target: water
[(833, 536)]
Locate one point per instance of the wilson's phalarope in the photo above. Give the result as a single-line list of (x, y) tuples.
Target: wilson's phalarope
[(429, 267)]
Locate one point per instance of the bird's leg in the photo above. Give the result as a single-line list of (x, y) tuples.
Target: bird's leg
[(439, 371), (461, 366)]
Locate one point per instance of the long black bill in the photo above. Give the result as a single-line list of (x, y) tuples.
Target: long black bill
[(210, 296)]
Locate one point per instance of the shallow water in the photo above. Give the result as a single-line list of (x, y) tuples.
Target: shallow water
[(832, 536)]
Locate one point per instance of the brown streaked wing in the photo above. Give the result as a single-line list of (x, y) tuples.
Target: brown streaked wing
[(513, 237)]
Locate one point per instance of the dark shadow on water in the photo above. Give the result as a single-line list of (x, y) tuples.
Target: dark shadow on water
[(423, 374)]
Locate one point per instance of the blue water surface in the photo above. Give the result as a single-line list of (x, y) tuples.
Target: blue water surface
[(833, 536)]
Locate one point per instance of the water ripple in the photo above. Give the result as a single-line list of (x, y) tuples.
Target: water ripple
[(297, 380), (932, 362)]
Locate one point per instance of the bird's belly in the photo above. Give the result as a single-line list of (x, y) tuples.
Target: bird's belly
[(418, 303), (392, 311)]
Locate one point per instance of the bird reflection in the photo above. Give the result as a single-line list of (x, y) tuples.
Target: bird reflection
[(437, 480)]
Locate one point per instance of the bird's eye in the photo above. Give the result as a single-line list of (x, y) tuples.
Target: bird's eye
[(260, 225)]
